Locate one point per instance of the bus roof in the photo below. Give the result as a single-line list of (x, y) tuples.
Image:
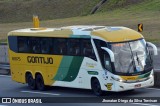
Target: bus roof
[(110, 34)]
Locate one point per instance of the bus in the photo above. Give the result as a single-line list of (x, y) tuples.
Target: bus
[(100, 58)]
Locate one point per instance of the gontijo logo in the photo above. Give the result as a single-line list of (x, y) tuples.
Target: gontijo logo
[(41, 60)]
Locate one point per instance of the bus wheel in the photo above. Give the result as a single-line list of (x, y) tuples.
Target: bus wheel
[(40, 82), (31, 82), (96, 87)]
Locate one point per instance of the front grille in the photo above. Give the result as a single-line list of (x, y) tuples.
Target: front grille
[(134, 81)]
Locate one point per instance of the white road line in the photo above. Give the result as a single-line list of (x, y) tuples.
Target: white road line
[(144, 104), (41, 93), (5, 76), (153, 88), (3, 105), (156, 69)]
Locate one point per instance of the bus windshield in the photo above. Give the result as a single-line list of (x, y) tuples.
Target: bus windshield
[(131, 57)]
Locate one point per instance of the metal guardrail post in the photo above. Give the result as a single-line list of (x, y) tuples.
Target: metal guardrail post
[(5, 69)]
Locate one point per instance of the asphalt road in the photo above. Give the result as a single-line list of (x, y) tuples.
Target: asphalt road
[(9, 88), (156, 61)]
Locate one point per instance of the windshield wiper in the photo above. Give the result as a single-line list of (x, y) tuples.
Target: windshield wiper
[(139, 62), (133, 62)]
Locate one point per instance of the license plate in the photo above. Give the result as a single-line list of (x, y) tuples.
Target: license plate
[(138, 85)]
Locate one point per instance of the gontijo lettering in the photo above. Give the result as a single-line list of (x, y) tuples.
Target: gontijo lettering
[(41, 60)]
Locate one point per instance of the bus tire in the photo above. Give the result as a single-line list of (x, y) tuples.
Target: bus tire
[(96, 87), (40, 82), (31, 81)]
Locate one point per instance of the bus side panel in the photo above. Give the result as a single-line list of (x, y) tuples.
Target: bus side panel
[(17, 73), (52, 70), (88, 68), (21, 63), (50, 74), (16, 69), (68, 71)]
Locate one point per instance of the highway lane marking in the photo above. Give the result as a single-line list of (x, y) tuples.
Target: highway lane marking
[(156, 69), (144, 104), (153, 88), (41, 93), (4, 76)]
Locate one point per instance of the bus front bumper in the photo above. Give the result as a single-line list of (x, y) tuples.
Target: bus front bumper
[(124, 86)]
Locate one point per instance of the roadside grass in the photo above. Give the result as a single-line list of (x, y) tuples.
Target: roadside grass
[(147, 13), (22, 10)]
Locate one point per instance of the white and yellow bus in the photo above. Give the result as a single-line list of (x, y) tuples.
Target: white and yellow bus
[(100, 58)]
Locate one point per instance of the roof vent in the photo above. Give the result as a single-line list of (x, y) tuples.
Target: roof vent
[(94, 28), (37, 29)]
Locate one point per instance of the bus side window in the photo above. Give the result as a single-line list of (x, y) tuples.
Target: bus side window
[(23, 45), (74, 47), (35, 45), (107, 62), (46, 45), (13, 43), (60, 46), (87, 49), (99, 44)]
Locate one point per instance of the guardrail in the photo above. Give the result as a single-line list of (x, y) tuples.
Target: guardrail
[(5, 66), (4, 69)]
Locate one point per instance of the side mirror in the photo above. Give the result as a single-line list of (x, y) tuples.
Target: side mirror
[(111, 54), (153, 47)]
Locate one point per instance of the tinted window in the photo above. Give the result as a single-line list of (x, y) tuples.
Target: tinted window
[(46, 45), (23, 46), (100, 43), (87, 49), (107, 61), (12, 40), (57, 46), (102, 54), (34, 44), (60, 46), (74, 47)]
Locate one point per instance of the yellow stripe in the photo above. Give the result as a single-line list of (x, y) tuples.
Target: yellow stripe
[(129, 77)]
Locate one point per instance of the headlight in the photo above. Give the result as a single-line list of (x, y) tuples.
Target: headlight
[(151, 75), (121, 80), (117, 79)]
